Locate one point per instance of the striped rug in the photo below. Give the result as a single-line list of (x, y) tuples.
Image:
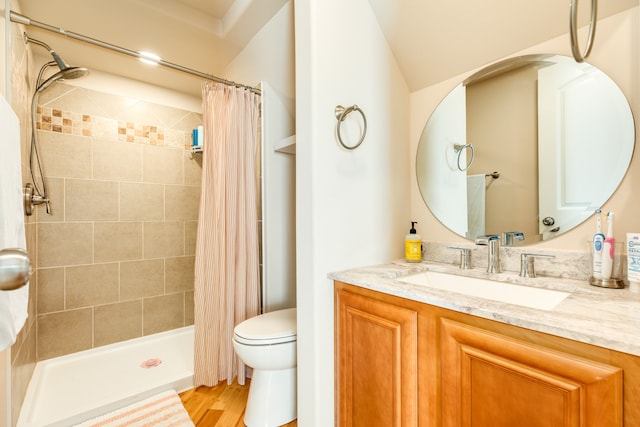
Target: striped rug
[(162, 410)]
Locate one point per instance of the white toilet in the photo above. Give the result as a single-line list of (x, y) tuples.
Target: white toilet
[(267, 343)]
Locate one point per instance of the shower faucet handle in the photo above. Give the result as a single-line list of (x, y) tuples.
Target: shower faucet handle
[(30, 199), (38, 200)]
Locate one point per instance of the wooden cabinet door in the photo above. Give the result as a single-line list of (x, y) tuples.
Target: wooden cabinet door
[(490, 380), (376, 363)]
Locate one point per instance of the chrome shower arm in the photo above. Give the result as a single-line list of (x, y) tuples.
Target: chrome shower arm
[(59, 61)]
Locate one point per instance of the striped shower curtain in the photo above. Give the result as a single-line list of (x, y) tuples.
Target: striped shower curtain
[(227, 276)]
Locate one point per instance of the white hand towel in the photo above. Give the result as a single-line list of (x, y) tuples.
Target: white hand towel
[(476, 193), (13, 304)]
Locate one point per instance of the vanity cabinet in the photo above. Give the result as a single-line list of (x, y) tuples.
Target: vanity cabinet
[(377, 362), (404, 363), (489, 379)]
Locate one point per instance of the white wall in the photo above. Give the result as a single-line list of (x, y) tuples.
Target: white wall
[(269, 56), (351, 205), (615, 52)]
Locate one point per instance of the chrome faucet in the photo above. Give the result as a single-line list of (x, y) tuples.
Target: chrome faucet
[(509, 238), (493, 243), (465, 257), (527, 266)]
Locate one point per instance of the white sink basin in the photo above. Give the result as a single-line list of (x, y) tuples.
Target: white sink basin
[(526, 296)]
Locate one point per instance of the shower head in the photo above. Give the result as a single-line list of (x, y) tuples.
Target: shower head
[(66, 72)]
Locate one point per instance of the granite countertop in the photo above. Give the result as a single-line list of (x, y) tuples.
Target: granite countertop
[(603, 317)]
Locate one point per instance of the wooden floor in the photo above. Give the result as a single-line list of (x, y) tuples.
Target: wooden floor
[(219, 406)]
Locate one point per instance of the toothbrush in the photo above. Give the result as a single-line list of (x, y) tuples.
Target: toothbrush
[(608, 249), (598, 242)]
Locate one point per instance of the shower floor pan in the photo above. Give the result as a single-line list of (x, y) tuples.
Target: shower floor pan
[(70, 389)]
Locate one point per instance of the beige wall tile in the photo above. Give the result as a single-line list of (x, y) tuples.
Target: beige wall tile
[(190, 237), (55, 188), (162, 165), (74, 99), (170, 117), (32, 298), (89, 285), (141, 202), (64, 332), (181, 203), (192, 169), (50, 290), (65, 244), (22, 365), (104, 128), (65, 156), (31, 235), (177, 138), (117, 241), (117, 161), (140, 279), (90, 200), (179, 274), (163, 313), (121, 188), (117, 322), (188, 308), (187, 122), (139, 112), (111, 104), (163, 239), (48, 97)]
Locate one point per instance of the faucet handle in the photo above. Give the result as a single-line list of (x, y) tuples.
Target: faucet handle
[(484, 240), (527, 265), (509, 237), (465, 257)]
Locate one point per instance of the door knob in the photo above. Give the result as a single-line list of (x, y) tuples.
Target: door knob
[(15, 269), (548, 221)]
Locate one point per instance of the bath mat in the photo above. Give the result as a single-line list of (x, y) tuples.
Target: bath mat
[(162, 410)]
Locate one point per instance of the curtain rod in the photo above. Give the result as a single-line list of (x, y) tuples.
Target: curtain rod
[(21, 19)]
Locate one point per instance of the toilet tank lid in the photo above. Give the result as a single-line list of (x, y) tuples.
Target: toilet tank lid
[(275, 324)]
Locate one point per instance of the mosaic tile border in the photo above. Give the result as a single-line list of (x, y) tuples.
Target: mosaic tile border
[(59, 121)]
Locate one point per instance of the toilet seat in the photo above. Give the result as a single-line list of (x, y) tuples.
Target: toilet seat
[(276, 327)]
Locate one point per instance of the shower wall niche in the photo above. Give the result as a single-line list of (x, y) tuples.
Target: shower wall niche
[(116, 256)]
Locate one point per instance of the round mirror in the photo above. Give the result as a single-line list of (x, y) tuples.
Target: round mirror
[(533, 145)]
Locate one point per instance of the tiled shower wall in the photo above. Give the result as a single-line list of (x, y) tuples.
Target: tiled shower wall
[(23, 352), (116, 256)]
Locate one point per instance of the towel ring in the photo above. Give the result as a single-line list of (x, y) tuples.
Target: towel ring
[(459, 148), (341, 114), (573, 27)]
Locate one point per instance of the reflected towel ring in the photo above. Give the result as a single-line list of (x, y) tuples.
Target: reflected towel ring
[(573, 30), (459, 148), (341, 114)]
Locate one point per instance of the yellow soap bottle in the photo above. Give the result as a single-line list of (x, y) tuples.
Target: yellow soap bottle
[(412, 245)]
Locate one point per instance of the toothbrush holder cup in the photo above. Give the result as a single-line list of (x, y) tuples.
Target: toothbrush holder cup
[(616, 281)]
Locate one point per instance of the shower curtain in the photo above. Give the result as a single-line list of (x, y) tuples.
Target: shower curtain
[(227, 276)]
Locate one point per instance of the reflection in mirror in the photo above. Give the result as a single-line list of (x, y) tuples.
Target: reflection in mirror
[(533, 144)]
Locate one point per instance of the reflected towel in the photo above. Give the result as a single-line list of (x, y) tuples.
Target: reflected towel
[(476, 191), (13, 304)]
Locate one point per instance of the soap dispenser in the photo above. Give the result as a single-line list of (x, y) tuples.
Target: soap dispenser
[(412, 245)]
